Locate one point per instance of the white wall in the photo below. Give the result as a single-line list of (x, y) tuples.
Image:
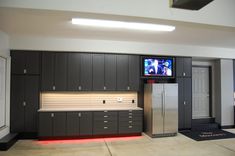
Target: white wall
[(4, 52), (86, 45), (218, 12)]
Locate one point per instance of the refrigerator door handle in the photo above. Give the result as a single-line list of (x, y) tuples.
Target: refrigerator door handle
[(162, 103)]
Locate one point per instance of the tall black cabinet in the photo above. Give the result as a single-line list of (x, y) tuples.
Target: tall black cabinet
[(184, 80), (24, 92)]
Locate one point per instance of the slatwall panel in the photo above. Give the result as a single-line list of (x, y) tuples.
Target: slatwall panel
[(88, 100)]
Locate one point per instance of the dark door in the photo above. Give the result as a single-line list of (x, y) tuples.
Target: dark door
[(134, 72), (181, 109), (122, 72), (85, 123), (73, 71), (59, 124), (17, 103), (179, 66), (32, 103), (86, 72), (48, 63), (17, 62), (98, 72), (32, 60), (60, 72), (188, 66), (45, 124), (73, 123), (188, 102), (110, 71)]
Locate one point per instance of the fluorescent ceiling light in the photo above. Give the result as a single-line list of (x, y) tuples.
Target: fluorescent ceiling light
[(122, 25)]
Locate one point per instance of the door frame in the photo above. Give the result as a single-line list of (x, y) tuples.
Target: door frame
[(210, 86)]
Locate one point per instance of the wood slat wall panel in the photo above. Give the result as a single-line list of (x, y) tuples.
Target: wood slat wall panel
[(88, 100)]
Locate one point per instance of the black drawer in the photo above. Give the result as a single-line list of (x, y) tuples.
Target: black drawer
[(131, 112), (130, 129), (127, 118), (130, 123), (98, 130), (105, 115), (101, 124)]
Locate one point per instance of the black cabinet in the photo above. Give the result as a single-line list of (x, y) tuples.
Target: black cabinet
[(183, 67), (110, 72), (130, 121), (185, 102), (98, 72), (105, 122), (25, 62), (79, 123), (52, 124), (128, 72), (24, 103), (54, 71), (79, 72)]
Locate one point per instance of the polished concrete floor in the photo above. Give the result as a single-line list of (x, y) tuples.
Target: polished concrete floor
[(126, 146)]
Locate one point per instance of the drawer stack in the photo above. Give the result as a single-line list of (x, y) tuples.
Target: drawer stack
[(105, 122), (130, 121)]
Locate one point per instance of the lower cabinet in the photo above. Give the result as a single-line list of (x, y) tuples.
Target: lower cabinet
[(90, 123)]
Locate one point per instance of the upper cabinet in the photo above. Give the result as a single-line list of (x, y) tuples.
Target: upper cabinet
[(54, 71), (79, 72), (183, 67), (25, 62), (128, 72)]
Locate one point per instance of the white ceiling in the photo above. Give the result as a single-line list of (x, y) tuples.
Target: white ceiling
[(44, 23)]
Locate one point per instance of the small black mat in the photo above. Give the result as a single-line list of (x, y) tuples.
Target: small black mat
[(208, 135)]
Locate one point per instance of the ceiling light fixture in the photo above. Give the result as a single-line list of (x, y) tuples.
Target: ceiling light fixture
[(122, 25)]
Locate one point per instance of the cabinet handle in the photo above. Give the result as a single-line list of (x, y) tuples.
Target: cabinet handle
[(184, 102), (104, 88), (184, 74), (24, 103), (130, 110), (53, 87), (130, 113), (52, 115), (105, 127), (79, 114), (105, 111), (25, 71), (130, 117), (130, 126), (130, 121), (128, 87), (106, 116), (105, 121)]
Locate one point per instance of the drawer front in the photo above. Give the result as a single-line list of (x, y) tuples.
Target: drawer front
[(105, 129), (130, 123), (130, 118), (101, 124), (105, 116), (130, 129), (131, 112)]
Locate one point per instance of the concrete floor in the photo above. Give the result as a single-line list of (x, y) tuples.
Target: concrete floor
[(127, 146)]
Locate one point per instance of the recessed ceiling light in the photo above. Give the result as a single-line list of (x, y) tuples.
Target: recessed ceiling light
[(121, 24)]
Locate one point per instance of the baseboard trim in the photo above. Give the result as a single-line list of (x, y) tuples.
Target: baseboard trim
[(227, 127)]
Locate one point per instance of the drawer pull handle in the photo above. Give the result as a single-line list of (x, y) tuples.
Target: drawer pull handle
[(130, 117), (105, 127), (106, 116), (105, 121), (130, 110), (130, 126), (52, 115), (130, 121), (105, 111), (130, 113)]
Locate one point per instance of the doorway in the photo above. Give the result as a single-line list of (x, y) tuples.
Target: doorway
[(201, 92)]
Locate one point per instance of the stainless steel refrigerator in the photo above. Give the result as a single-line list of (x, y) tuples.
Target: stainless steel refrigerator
[(161, 109)]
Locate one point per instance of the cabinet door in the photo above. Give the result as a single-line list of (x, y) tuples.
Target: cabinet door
[(45, 124), (60, 77), (98, 71), (179, 66), (59, 124), (85, 127), (110, 71), (73, 71), (122, 72), (188, 102), (32, 60), (73, 123), (188, 66), (17, 106), (181, 109), (32, 103), (86, 72), (17, 62), (134, 72), (48, 63)]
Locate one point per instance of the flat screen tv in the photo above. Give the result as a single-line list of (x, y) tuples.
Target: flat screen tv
[(158, 67)]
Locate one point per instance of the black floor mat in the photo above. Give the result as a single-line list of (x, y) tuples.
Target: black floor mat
[(208, 135)]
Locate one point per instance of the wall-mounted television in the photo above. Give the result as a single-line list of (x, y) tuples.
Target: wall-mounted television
[(153, 67)]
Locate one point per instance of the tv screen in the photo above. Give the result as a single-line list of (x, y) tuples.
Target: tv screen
[(158, 67)]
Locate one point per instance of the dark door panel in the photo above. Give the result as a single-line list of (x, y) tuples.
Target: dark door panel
[(110, 72), (60, 72), (98, 71), (86, 72), (17, 62), (134, 72), (73, 123), (32, 62), (45, 125), (122, 72), (59, 124), (85, 123)]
